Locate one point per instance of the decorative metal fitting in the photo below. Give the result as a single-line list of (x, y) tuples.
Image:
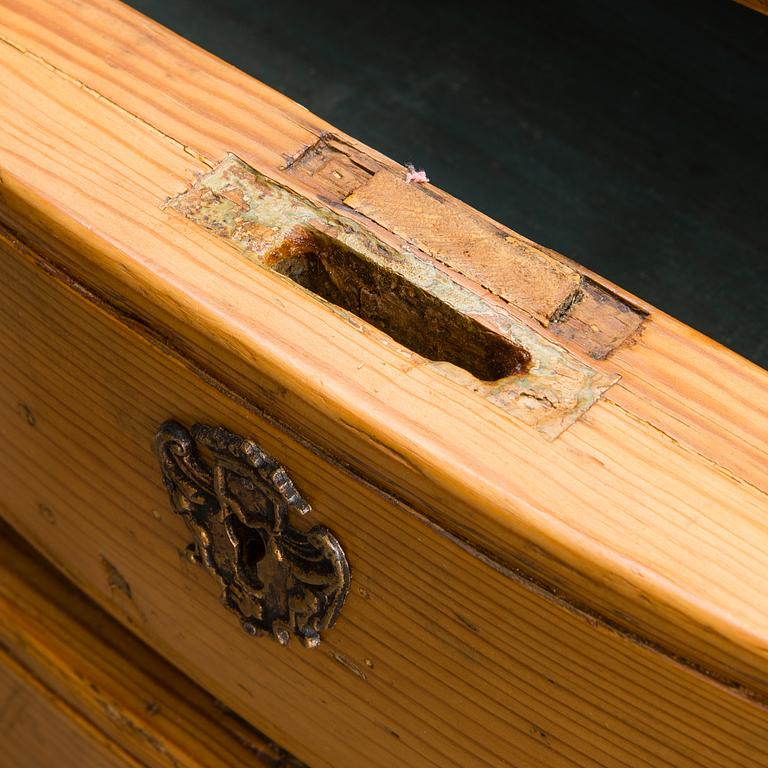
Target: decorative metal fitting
[(277, 579)]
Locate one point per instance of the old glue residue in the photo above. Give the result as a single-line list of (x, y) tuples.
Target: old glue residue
[(458, 333)]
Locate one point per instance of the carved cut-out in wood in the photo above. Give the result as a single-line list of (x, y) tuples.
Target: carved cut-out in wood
[(455, 330)]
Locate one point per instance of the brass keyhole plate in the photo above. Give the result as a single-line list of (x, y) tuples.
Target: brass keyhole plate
[(278, 579)]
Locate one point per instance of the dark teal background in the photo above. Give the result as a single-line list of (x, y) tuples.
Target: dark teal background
[(631, 136)]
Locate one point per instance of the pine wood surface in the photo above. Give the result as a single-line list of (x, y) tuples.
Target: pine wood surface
[(209, 108), (649, 510), (37, 732), (76, 689), (440, 656)]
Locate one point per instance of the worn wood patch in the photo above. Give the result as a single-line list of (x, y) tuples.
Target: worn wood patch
[(582, 313), (519, 272), (438, 322), (333, 168), (597, 321)]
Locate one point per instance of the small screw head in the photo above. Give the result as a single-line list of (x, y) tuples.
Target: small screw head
[(250, 629), (191, 554)]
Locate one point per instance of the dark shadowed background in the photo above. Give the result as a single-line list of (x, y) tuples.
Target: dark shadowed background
[(631, 136)]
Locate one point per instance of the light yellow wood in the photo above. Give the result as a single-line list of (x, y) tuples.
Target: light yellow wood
[(76, 689), (37, 731), (439, 657), (209, 108), (649, 512), (650, 509)]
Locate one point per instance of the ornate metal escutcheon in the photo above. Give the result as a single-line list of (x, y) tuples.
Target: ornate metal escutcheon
[(277, 578)]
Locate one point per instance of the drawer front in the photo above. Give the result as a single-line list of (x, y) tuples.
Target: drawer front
[(35, 731), (439, 656), (648, 508), (77, 689)]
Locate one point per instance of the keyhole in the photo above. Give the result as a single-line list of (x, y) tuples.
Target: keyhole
[(252, 552), (253, 549)]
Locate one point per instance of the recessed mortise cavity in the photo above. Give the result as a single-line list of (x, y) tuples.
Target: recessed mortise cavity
[(401, 293), (390, 302)]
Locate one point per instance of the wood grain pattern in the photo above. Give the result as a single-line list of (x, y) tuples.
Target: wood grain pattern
[(537, 281), (650, 510), (413, 303), (38, 731), (439, 657), (520, 273), (209, 108), (597, 322), (76, 689)]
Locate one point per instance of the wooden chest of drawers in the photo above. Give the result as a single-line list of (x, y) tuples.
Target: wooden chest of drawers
[(471, 503)]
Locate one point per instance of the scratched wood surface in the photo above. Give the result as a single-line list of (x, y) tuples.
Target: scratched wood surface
[(76, 689), (649, 510), (440, 657)]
